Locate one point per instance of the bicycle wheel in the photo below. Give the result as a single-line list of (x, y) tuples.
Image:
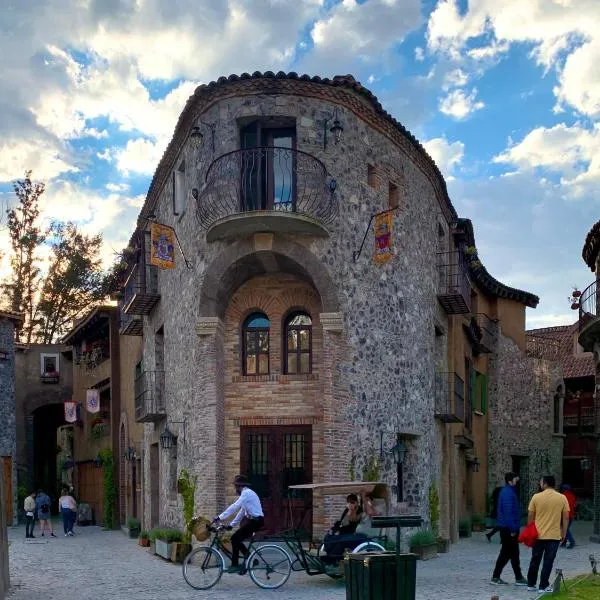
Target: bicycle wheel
[(202, 568), (269, 566), (369, 547)]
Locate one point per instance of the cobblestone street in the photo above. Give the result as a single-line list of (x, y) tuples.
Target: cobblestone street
[(96, 564)]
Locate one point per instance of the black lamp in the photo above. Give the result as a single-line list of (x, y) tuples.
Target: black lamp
[(197, 135), (336, 129), (167, 439), (130, 454), (475, 464), (398, 451)]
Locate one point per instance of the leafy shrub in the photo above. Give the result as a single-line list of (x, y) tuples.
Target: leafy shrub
[(186, 486), (144, 535), (423, 537), (133, 523), (165, 534), (478, 521)]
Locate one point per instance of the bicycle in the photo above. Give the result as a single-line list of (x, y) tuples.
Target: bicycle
[(268, 565)]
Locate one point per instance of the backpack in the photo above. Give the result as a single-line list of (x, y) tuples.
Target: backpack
[(45, 508)]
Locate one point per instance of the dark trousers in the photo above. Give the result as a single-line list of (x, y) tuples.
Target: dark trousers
[(68, 517), (545, 549), (243, 533), (508, 551), (29, 525)]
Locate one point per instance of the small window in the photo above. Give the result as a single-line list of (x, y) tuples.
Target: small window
[(179, 190), (393, 195), (255, 342), (49, 363), (372, 176), (298, 344)]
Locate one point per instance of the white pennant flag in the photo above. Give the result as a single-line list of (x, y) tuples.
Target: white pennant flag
[(92, 398), (70, 412)]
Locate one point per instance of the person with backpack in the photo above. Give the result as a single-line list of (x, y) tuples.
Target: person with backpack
[(43, 504)]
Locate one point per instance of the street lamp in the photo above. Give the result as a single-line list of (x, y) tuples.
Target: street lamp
[(197, 136), (398, 452)]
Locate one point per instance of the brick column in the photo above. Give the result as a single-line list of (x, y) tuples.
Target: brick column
[(206, 427), (336, 426)]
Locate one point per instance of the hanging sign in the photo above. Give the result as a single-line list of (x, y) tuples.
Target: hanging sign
[(383, 237), (70, 412), (162, 242), (92, 400)]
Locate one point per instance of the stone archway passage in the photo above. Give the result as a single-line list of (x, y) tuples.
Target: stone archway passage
[(46, 420), (259, 255)]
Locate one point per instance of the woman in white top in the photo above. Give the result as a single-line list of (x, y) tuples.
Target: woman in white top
[(68, 510)]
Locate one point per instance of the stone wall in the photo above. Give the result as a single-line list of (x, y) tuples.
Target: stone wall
[(4, 571), (8, 435), (521, 412)]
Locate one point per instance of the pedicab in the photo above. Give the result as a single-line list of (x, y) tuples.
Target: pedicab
[(316, 560)]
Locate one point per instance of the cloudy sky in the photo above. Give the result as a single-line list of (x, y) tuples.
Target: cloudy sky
[(504, 94)]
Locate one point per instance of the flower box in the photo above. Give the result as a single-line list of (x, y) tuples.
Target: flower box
[(425, 552), (179, 550), (163, 549)]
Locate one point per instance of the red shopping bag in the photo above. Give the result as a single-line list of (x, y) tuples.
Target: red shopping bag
[(529, 535)]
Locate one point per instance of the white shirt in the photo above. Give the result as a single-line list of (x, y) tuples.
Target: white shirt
[(248, 505)]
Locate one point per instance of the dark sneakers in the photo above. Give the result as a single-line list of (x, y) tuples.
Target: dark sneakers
[(498, 581)]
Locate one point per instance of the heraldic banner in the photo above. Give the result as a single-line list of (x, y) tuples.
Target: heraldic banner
[(162, 241), (70, 412), (92, 400), (384, 223)]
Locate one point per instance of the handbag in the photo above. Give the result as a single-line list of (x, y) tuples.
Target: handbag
[(529, 535)]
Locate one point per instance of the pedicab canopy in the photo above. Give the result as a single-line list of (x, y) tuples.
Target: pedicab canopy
[(377, 489)]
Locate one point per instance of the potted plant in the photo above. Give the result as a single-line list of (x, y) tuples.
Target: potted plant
[(164, 541), (464, 528), (152, 539), (143, 539), (424, 544), (443, 544), (134, 525), (478, 522)]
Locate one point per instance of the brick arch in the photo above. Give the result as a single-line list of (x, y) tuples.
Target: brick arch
[(241, 261)]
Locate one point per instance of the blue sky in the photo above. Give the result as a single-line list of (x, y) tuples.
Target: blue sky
[(504, 95)]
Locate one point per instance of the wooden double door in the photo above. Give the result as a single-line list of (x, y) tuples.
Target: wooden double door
[(273, 458)]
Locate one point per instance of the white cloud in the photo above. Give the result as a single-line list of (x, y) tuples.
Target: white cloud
[(446, 155), (455, 78), (460, 105), (419, 54), (117, 187), (139, 156), (553, 29), (572, 152), (45, 158)]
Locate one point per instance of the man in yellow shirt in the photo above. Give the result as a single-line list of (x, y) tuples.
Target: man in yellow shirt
[(550, 511)]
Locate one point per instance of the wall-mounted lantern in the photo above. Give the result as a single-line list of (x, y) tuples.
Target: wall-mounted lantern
[(168, 439), (130, 454), (98, 461), (475, 465), (336, 129), (197, 136), (398, 452), (585, 464)]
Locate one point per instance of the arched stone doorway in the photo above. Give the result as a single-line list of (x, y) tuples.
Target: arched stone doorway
[(45, 422)]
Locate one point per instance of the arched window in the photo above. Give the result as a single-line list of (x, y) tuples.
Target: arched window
[(298, 344), (255, 342)]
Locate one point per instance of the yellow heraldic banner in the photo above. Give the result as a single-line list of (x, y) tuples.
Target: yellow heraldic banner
[(162, 240), (384, 223)]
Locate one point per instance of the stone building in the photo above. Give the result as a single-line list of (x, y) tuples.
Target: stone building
[(589, 339), (8, 431), (290, 344), (44, 381), (560, 343), (96, 368)]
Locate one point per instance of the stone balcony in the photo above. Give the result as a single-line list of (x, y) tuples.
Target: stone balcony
[(589, 323), (266, 189)]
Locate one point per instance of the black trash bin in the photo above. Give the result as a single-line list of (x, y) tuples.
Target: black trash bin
[(380, 576)]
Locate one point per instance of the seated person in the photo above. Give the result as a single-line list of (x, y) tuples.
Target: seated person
[(343, 535), (370, 510)]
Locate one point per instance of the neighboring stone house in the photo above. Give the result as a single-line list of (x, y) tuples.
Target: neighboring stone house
[(8, 432), (4, 570), (578, 420), (291, 345), (589, 339), (96, 368), (44, 380)]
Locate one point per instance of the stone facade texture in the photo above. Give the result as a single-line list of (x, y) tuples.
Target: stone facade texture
[(384, 359), (4, 570), (8, 430), (521, 398)]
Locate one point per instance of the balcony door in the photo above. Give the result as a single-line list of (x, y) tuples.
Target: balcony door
[(268, 166)]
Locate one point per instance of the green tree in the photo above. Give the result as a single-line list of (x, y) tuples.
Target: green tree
[(26, 236), (74, 283)]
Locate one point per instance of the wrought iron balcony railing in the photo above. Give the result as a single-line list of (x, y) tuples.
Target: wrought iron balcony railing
[(541, 346), (454, 289), (141, 290), (589, 311), (449, 398), (150, 402), (488, 329), (266, 188), (130, 324)]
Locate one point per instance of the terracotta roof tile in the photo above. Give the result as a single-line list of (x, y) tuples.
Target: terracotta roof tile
[(574, 363)]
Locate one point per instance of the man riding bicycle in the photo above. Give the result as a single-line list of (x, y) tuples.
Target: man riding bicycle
[(249, 508)]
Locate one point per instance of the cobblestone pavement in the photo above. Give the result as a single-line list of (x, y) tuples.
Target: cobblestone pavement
[(96, 564)]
